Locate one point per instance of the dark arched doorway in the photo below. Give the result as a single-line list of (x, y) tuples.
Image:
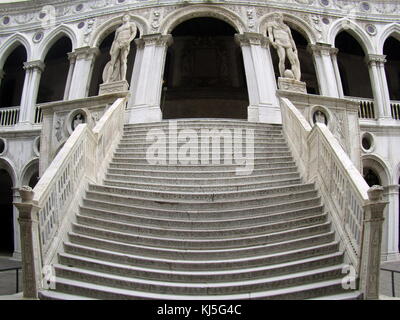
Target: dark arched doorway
[(204, 73), (54, 76), (392, 67), (6, 214), (371, 177), (14, 75), (352, 67)]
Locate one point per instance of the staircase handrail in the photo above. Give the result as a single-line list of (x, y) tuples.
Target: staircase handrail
[(46, 212), (355, 210)]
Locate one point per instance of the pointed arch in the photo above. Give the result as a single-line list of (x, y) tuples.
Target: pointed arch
[(392, 30), (10, 44), (354, 30), (201, 11), (110, 25), (53, 37), (294, 22)]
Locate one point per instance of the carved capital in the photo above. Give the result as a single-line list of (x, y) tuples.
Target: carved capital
[(86, 53), (375, 59), (155, 39), (34, 65), (251, 38), (320, 49)]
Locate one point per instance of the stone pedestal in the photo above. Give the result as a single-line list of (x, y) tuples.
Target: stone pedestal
[(291, 85), (111, 87)]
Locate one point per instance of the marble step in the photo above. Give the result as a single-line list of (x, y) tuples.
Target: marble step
[(205, 180), (194, 187), (200, 201), (299, 241), (202, 174), (153, 273), (187, 220), (195, 233), (199, 168), (218, 264), (195, 289), (256, 161)]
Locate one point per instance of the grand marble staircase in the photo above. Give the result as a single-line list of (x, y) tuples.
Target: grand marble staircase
[(201, 231)]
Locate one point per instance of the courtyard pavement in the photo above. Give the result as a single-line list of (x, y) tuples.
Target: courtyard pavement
[(8, 280)]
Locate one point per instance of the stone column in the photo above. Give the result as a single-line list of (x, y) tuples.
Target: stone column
[(147, 78), (30, 243), (392, 223), (376, 67), (371, 243), (333, 53), (324, 66), (17, 234), (81, 63), (33, 72), (260, 76)]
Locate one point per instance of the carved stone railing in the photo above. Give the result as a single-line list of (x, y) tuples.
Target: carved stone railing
[(367, 108), (395, 109), (356, 211), (38, 115), (46, 217), (9, 116)]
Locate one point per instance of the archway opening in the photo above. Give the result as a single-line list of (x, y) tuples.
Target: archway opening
[(204, 73), (308, 73), (12, 83), (371, 177), (103, 58), (392, 67), (352, 67), (55, 74), (6, 214)]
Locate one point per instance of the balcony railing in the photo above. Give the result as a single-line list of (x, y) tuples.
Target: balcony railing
[(367, 109), (9, 116), (395, 109)]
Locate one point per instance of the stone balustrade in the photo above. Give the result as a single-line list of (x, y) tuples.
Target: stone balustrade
[(46, 216), (356, 210)]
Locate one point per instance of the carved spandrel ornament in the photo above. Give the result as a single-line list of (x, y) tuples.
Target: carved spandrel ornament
[(115, 69), (281, 39)]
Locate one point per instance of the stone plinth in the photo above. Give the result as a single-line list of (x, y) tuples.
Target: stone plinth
[(111, 87), (291, 85)]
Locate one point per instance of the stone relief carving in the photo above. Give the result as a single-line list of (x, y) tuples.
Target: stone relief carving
[(340, 129), (281, 39), (115, 70), (89, 29), (59, 129), (155, 24)]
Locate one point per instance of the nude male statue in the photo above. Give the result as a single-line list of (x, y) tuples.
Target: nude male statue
[(281, 39), (115, 70)]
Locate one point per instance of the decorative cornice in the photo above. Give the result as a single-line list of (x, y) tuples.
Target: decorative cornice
[(156, 39), (87, 53), (251, 38), (375, 59), (322, 49), (36, 64)]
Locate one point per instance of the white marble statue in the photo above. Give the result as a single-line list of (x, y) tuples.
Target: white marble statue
[(281, 39), (115, 69)]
